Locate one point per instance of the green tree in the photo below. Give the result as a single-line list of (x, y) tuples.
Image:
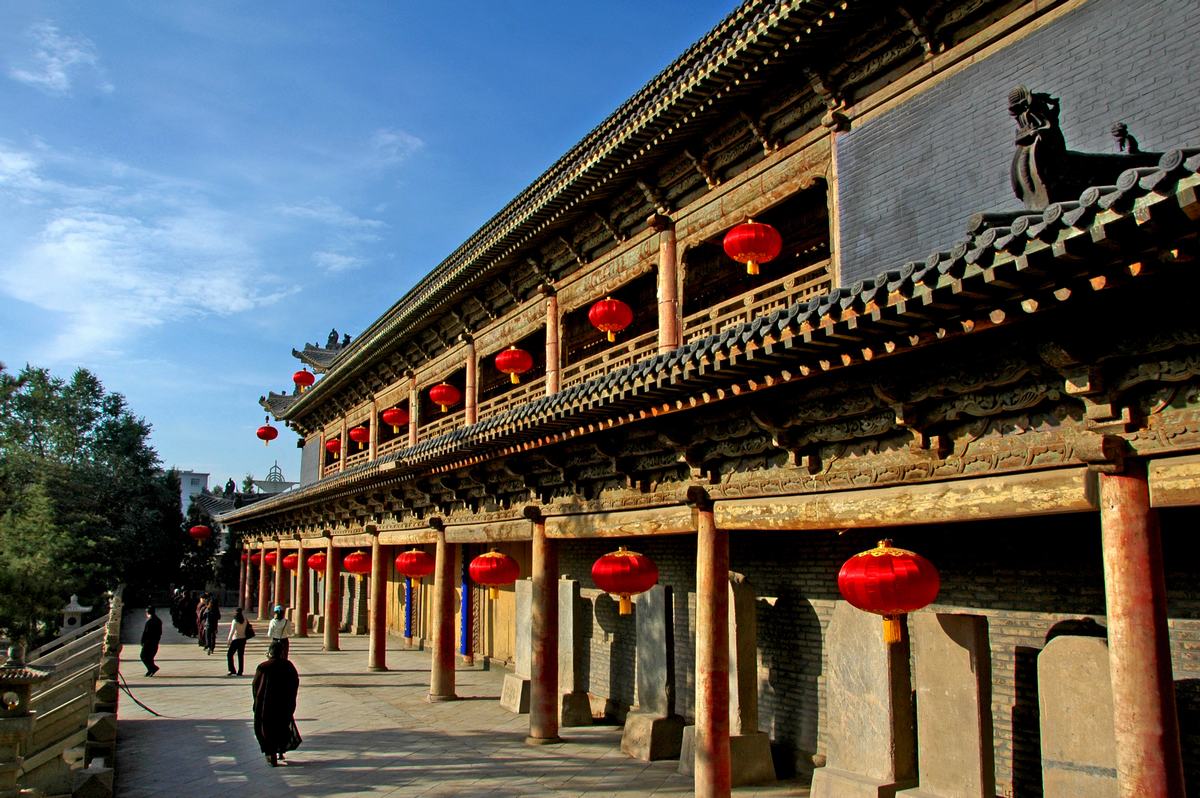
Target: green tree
[(34, 551)]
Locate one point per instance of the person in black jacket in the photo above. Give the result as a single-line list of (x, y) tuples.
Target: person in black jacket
[(151, 634)]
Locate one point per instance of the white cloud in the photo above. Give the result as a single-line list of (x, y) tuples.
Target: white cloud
[(107, 263), (390, 147), (334, 262), (326, 212), (55, 57)]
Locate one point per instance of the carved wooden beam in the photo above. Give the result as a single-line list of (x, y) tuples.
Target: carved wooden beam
[(655, 197), (612, 230), (756, 126), (703, 167), (831, 95), (574, 251), (916, 24)]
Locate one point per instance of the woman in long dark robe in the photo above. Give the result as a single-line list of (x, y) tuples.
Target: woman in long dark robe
[(276, 683)]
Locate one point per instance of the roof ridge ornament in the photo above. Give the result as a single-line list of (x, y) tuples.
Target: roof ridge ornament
[(1044, 171)]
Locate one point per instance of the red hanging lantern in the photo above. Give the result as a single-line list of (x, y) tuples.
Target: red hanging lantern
[(266, 433), (625, 573), (316, 561), (200, 533), (357, 562), (753, 243), (890, 582), (245, 556), (360, 435), (256, 558), (272, 558), (514, 361), (444, 394), (304, 379), (291, 561), (415, 564), (397, 417), (334, 447), (610, 316), (493, 569)]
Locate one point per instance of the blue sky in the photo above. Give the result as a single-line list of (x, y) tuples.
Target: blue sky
[(190, 189)]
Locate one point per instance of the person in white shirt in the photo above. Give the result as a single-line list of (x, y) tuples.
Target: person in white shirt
[(280, 629), (237, 642)]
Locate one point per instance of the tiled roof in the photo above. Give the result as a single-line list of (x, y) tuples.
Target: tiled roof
[(1148, 208), (317, 357), (277, 403)]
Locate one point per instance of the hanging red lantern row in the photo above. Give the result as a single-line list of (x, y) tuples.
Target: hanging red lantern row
[(396, 416), (624, 573), (200, 533), (492, 570), (334, 447), (610, 316), (360, 435), (256, 558), (415, 564), (890, 582), (304, 379), (444, 394), (245, 556), (753, 243), (266, 433), (272, 558), (514, 361), (291, 561), (316, 561), (357, 562)]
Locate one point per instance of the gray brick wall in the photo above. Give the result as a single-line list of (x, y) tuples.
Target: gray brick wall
[(909, 179)]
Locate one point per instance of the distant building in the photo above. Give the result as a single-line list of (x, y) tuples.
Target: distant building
[(190, 484)]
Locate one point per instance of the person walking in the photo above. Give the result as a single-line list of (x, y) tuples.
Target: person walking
[(239, 628), (280, 629), (202, 621), (151, 634), (211, 620), (276, 684)]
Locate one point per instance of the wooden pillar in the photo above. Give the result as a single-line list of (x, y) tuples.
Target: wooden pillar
[(553, 364), (543, 676), (668, 284), (243, 576), (373, 425), (264, 599), (441, 676), (377, 610), (344, 451), (712, 767), (470, 386), (302, 608), (281, 585), (1149, 763), (414, 409), (333, 596)]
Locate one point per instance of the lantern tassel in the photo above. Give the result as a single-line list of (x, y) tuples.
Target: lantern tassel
[(395, 430), (443, 408), (612, 336), (625, 607), (892, 629), (266, 443), (515, 379), (493, 593), (751, 267)]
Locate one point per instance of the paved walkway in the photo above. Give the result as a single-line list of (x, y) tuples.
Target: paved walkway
[(365, 734)]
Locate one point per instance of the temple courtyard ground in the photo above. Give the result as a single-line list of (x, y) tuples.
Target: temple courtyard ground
[(365, 733)]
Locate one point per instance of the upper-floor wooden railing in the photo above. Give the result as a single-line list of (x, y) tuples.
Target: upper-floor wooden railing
[(810, 281)]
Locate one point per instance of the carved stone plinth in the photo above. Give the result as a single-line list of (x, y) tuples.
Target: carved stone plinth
[(651, 737)]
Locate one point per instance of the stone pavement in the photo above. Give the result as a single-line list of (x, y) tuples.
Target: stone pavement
[(365, 733)]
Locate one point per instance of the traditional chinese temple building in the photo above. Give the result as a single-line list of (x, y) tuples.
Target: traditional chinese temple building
[(978, 337)]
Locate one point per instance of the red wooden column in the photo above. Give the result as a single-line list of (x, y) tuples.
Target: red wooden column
[(552, 325), (668, 284), (377, 611), (1149, 763), (264, 599), (243, 576), (471, 383), (712, 767), (333, 596), (281, 586), (543, 677), (301, 590), (414, 409), (441, 675)]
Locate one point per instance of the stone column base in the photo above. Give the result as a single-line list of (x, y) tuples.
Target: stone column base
[(749, 756), (515, 695), (652, 737), (833, 783), (575, 709)]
